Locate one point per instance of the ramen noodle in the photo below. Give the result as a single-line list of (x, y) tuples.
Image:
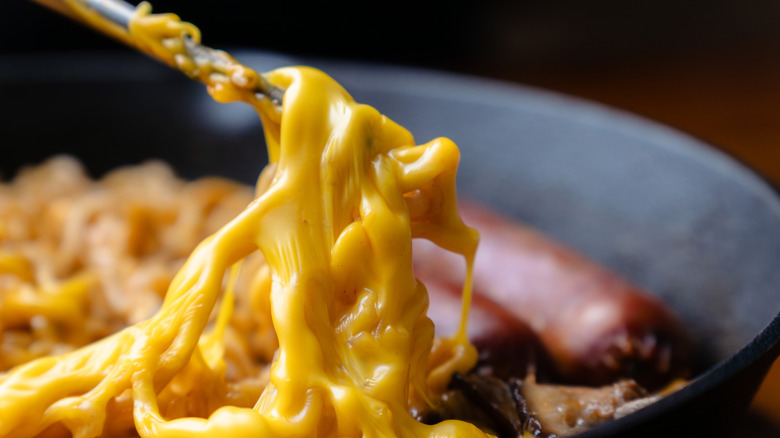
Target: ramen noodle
[(82, 259)]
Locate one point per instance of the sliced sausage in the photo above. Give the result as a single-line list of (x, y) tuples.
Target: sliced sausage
[(596, 326), (507, 346)]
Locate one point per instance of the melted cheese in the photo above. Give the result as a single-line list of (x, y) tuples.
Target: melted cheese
[(335, 212)]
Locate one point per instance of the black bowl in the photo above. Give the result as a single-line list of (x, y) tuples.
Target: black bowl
[(664, 210)]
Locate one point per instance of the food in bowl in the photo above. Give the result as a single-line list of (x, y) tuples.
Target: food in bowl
[(333, 216)]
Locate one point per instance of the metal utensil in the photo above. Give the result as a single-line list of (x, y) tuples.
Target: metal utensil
[(120, 13)]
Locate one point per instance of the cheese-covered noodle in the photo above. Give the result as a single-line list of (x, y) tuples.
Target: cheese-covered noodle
[(330, 228), (81, 259)]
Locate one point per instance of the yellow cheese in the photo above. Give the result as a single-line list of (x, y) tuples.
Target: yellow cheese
[(334, 216)]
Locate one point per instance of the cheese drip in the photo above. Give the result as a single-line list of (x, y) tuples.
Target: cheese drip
[(345, 192)]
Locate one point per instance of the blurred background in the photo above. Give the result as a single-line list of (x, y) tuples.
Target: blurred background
[(709, 68)]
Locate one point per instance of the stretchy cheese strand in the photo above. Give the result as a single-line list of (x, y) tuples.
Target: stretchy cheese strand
[(334, 217)]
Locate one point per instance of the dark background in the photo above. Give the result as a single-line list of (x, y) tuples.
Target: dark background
[(488, 37), (710, 68)]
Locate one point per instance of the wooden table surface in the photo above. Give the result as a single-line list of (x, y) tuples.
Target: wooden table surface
[(730, 100)]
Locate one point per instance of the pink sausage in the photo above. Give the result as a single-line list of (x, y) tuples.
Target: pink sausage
[(507, 346), (596, 326)]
